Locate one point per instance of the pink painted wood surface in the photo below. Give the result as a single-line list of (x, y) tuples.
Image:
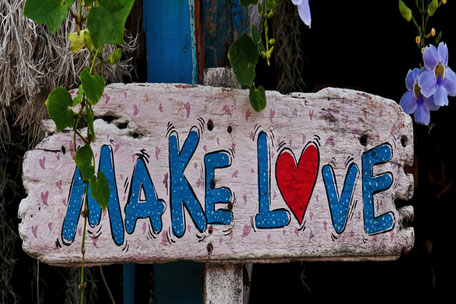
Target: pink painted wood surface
[(341, 125)]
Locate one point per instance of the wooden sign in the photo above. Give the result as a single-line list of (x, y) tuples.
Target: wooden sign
[(196, 174)]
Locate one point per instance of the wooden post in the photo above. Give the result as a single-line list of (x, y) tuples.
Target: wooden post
[(129, 283), (223, 283)]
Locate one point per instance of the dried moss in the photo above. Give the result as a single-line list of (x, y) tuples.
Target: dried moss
[(289, 56), (33, 62)]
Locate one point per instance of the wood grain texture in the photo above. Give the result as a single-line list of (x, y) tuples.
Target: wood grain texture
[(139, 121)]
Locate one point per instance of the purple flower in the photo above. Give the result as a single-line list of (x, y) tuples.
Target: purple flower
[(303, 10), (437, 78), (414, 102)]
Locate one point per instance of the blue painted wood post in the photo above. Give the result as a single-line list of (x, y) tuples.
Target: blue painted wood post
[(171, 52), (129, 282), (169, 41)]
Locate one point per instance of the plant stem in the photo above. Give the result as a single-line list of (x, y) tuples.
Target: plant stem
[(94, 59), (82, 284), (75, 125), (266, 30), (82, 137), (78, 20)]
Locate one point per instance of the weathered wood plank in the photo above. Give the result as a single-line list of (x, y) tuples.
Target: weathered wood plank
[(323, 141)]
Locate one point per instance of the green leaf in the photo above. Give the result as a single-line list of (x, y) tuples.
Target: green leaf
[(257, 39), (89, 118), (49, 12), (257, 98), (80, 41), (77, 100), (77, 41), (88, 41), (248, 2), (115, 56), (106, 21), (438, 38), (93, 86), (271, 5), (243, 55), (99, 188), (432, 7), (255, 34), (57, 105), (83, 159), (405, 11)]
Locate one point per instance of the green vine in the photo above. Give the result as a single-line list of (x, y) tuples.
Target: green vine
[(98, 23), (244, 53), (426, 10)]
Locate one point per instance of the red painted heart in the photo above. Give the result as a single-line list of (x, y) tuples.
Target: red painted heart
[(296, 182)]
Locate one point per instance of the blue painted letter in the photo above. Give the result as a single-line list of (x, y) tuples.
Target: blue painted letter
[(267, 218), (76, 197), (339, 206), (149, 206), (216, 195), (373, 185), (181, 193)]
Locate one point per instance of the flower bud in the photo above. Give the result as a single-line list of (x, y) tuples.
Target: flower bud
[(405, 11), (433, 32), (417, 39), (432, 7), (444, 2)]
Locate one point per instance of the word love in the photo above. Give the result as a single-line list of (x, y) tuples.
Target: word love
[(296, 180)]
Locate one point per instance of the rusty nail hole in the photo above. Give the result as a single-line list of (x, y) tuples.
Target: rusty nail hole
[(363, 140), (210, 125), (209, 248), (210, 229), (404, 141), (63, 149), (229, 129), (212, 184)]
